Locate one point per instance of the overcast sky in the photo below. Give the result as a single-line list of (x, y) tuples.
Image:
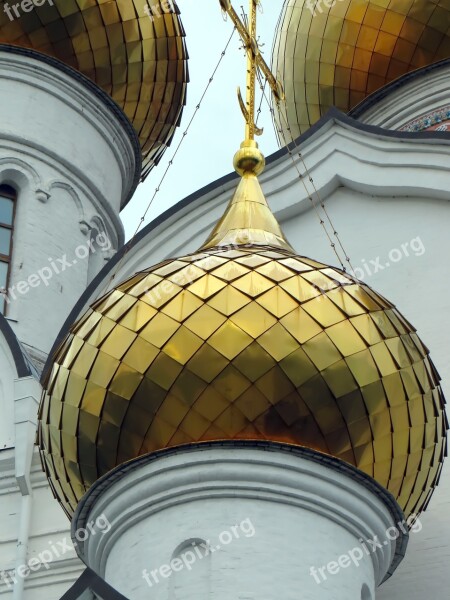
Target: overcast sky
[(218, 129)]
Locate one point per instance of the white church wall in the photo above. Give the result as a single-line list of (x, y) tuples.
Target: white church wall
[(51, 565), (7, 374), (73, 163), (51, 262), (72, 160), (390, 206)]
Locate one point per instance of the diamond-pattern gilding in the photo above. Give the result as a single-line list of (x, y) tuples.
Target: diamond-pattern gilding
[(253, 347)]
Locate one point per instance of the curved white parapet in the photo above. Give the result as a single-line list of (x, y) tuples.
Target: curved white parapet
[(241, 520)]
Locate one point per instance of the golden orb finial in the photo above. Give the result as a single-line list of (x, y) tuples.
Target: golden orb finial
[(249, 159)]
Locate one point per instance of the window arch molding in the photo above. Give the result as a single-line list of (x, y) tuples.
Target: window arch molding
[(192, 571), (8, 205)]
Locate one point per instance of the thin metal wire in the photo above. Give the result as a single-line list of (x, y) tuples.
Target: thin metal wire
[(311, 180), (128, 244), (258, 112), (314, 204), (322, 204)]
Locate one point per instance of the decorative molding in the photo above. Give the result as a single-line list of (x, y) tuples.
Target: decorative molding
[(67, 187), (16, 171), (73, 177), (273, 472), (435, 120), (42, 195), (85, 228)]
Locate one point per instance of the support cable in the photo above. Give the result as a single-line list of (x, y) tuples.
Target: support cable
[(128, 244), (317, 206)]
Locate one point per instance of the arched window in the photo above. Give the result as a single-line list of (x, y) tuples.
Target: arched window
[(365, 593), (8, 198), (191, 570)]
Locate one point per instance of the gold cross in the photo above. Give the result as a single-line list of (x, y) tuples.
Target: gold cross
[(254, 61)]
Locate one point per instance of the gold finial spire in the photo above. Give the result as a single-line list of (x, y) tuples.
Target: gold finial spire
[(252, 52), (248, 219), (254, 61), (249, 152)]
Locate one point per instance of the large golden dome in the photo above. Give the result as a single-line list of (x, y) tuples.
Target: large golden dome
[(141, 62), (243, 342), (337, 56)]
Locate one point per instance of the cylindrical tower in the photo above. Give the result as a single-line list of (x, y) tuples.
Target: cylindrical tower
[(69, 159), (236, 520), (91, 95)]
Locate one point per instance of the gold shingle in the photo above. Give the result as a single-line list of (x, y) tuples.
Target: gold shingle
[(336, 54), (118, 46)]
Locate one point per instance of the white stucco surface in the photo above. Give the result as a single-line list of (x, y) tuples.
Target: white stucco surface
[(72, 162), (265, 522)]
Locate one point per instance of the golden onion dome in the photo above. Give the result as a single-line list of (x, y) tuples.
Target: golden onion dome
[(133, 50), (336, 54), (244, 340)]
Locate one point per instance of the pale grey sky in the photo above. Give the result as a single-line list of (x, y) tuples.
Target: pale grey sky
[(218, 129)]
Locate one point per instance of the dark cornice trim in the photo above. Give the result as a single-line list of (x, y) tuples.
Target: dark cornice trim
[(91, 582), (22, 366)]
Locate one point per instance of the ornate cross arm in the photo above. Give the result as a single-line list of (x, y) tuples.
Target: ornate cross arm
[(254, 61)]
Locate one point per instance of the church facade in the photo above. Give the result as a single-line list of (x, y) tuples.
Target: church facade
[(381, 169)]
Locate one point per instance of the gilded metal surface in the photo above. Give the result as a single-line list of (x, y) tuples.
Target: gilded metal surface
[(248, 218), (339, 55), (247, 33), (244, 340), (248, 343), (140, 61)]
